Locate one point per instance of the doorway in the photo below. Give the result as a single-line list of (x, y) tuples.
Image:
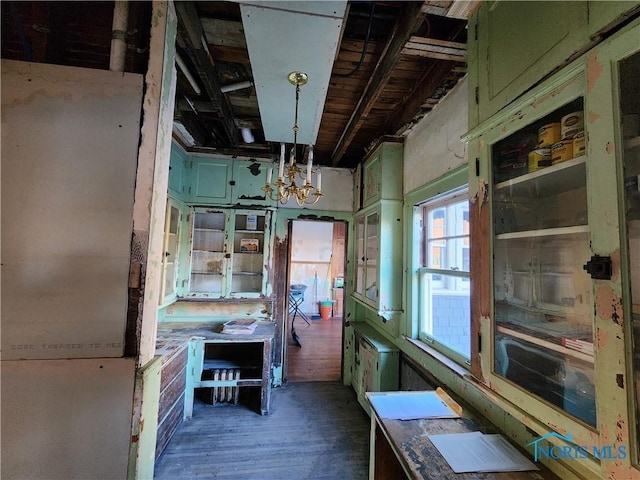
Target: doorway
[(316, 270)]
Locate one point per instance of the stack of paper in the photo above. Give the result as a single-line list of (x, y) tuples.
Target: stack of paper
[(477, 452), (240, 326)]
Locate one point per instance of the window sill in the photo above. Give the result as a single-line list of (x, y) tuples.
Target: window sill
[(441, 358)]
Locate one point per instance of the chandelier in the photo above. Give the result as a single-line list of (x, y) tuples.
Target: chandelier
[(285, 187)]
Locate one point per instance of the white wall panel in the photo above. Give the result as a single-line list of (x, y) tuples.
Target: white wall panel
[(66, 419), (69, 151), (337, 186)]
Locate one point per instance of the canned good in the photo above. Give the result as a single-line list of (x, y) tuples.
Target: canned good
[(562, 151), (571, 124), (539, 158), (579, 144), (548, 134)]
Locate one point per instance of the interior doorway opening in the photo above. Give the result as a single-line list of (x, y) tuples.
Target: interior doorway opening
[(316, 271)]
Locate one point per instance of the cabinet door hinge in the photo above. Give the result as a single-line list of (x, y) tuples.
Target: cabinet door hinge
[(479, 343), (476, 31), (477, 167), (477, 94)]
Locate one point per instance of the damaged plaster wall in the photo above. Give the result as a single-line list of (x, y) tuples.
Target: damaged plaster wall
[(434, 148)]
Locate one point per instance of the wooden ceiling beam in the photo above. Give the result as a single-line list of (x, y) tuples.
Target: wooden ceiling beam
[(195, 44), (437, 49), (408, 21)]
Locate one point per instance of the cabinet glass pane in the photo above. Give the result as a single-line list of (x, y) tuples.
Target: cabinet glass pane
[(371, 257), (171, 250), (543, 305), (248, 248), (207, 255), (360, 256), (630, 114)]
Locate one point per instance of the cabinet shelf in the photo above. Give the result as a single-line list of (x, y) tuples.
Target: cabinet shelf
[(254, 232), (206, 273), (201, 229), (546, 344), (547, 181), (251, 274), (632, 143), (545, 232)]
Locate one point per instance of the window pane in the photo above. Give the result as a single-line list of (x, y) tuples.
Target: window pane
[(446, 312)]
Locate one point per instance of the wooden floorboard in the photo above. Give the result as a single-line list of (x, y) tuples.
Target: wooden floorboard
[(316, 430), (319, 358)]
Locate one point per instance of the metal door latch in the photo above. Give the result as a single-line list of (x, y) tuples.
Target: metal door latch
[(599, 267)]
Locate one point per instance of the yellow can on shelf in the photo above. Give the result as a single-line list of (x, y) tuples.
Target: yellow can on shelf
[(571, 124), (548, 134), (579, 144), (539, 158), (562, 151)]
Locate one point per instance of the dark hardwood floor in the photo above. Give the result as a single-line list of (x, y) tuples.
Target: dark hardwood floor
[(319, 358), (315, 431)]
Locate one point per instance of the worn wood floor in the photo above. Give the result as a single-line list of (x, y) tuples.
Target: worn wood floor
[(315, 431), (319, 359)]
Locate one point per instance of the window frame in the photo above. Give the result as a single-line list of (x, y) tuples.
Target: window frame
[(453, 185)]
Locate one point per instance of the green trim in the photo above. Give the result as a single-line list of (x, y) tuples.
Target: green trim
[(450, 181)]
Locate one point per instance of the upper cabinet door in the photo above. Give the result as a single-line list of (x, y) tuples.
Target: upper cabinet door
[(248, 179), (210, 181), (384, 163), (177, 172), (519, 43)]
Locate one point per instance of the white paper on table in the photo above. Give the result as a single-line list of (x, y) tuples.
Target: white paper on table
[(476, 452), (411, 405)]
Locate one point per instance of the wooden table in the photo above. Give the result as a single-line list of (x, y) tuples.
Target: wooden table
[(210, 349), (400, 449)]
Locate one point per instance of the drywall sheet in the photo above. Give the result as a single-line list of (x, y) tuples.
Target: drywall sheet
[(66, 419), (69, 150)]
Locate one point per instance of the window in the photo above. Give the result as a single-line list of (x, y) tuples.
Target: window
[(443, 272)]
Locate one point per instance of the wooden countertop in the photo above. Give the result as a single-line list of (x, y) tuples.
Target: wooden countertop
[(172, 337), (413, 449)]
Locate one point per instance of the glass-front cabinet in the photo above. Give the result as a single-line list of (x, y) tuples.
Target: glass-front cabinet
[(555, 198), (543, 302), (379, 256), (229, 253)]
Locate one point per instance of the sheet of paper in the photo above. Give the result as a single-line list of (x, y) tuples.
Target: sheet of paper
[(411, 405), (476, 452)]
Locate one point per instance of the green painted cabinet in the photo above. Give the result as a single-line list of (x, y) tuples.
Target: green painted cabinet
[(231, 253), (555, 325), (378, 257), (210, 181), (221, 181), (385, 162), (517, 44), (249, 177), (177, 173), (376, 363)]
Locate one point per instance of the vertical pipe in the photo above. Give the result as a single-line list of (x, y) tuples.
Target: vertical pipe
[(119, 36)]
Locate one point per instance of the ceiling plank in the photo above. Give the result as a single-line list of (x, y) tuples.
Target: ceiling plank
[(224, 33), (408, 21), (195, 43)]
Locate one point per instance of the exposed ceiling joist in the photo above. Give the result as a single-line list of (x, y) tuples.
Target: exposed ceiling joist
[(438, 49), (408, 21), (196, 46)]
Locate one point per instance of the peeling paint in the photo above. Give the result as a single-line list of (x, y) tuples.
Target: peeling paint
[(592, 117), (601, 338), (620, 380), (594, 70), (608, 304), (609, 148)]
